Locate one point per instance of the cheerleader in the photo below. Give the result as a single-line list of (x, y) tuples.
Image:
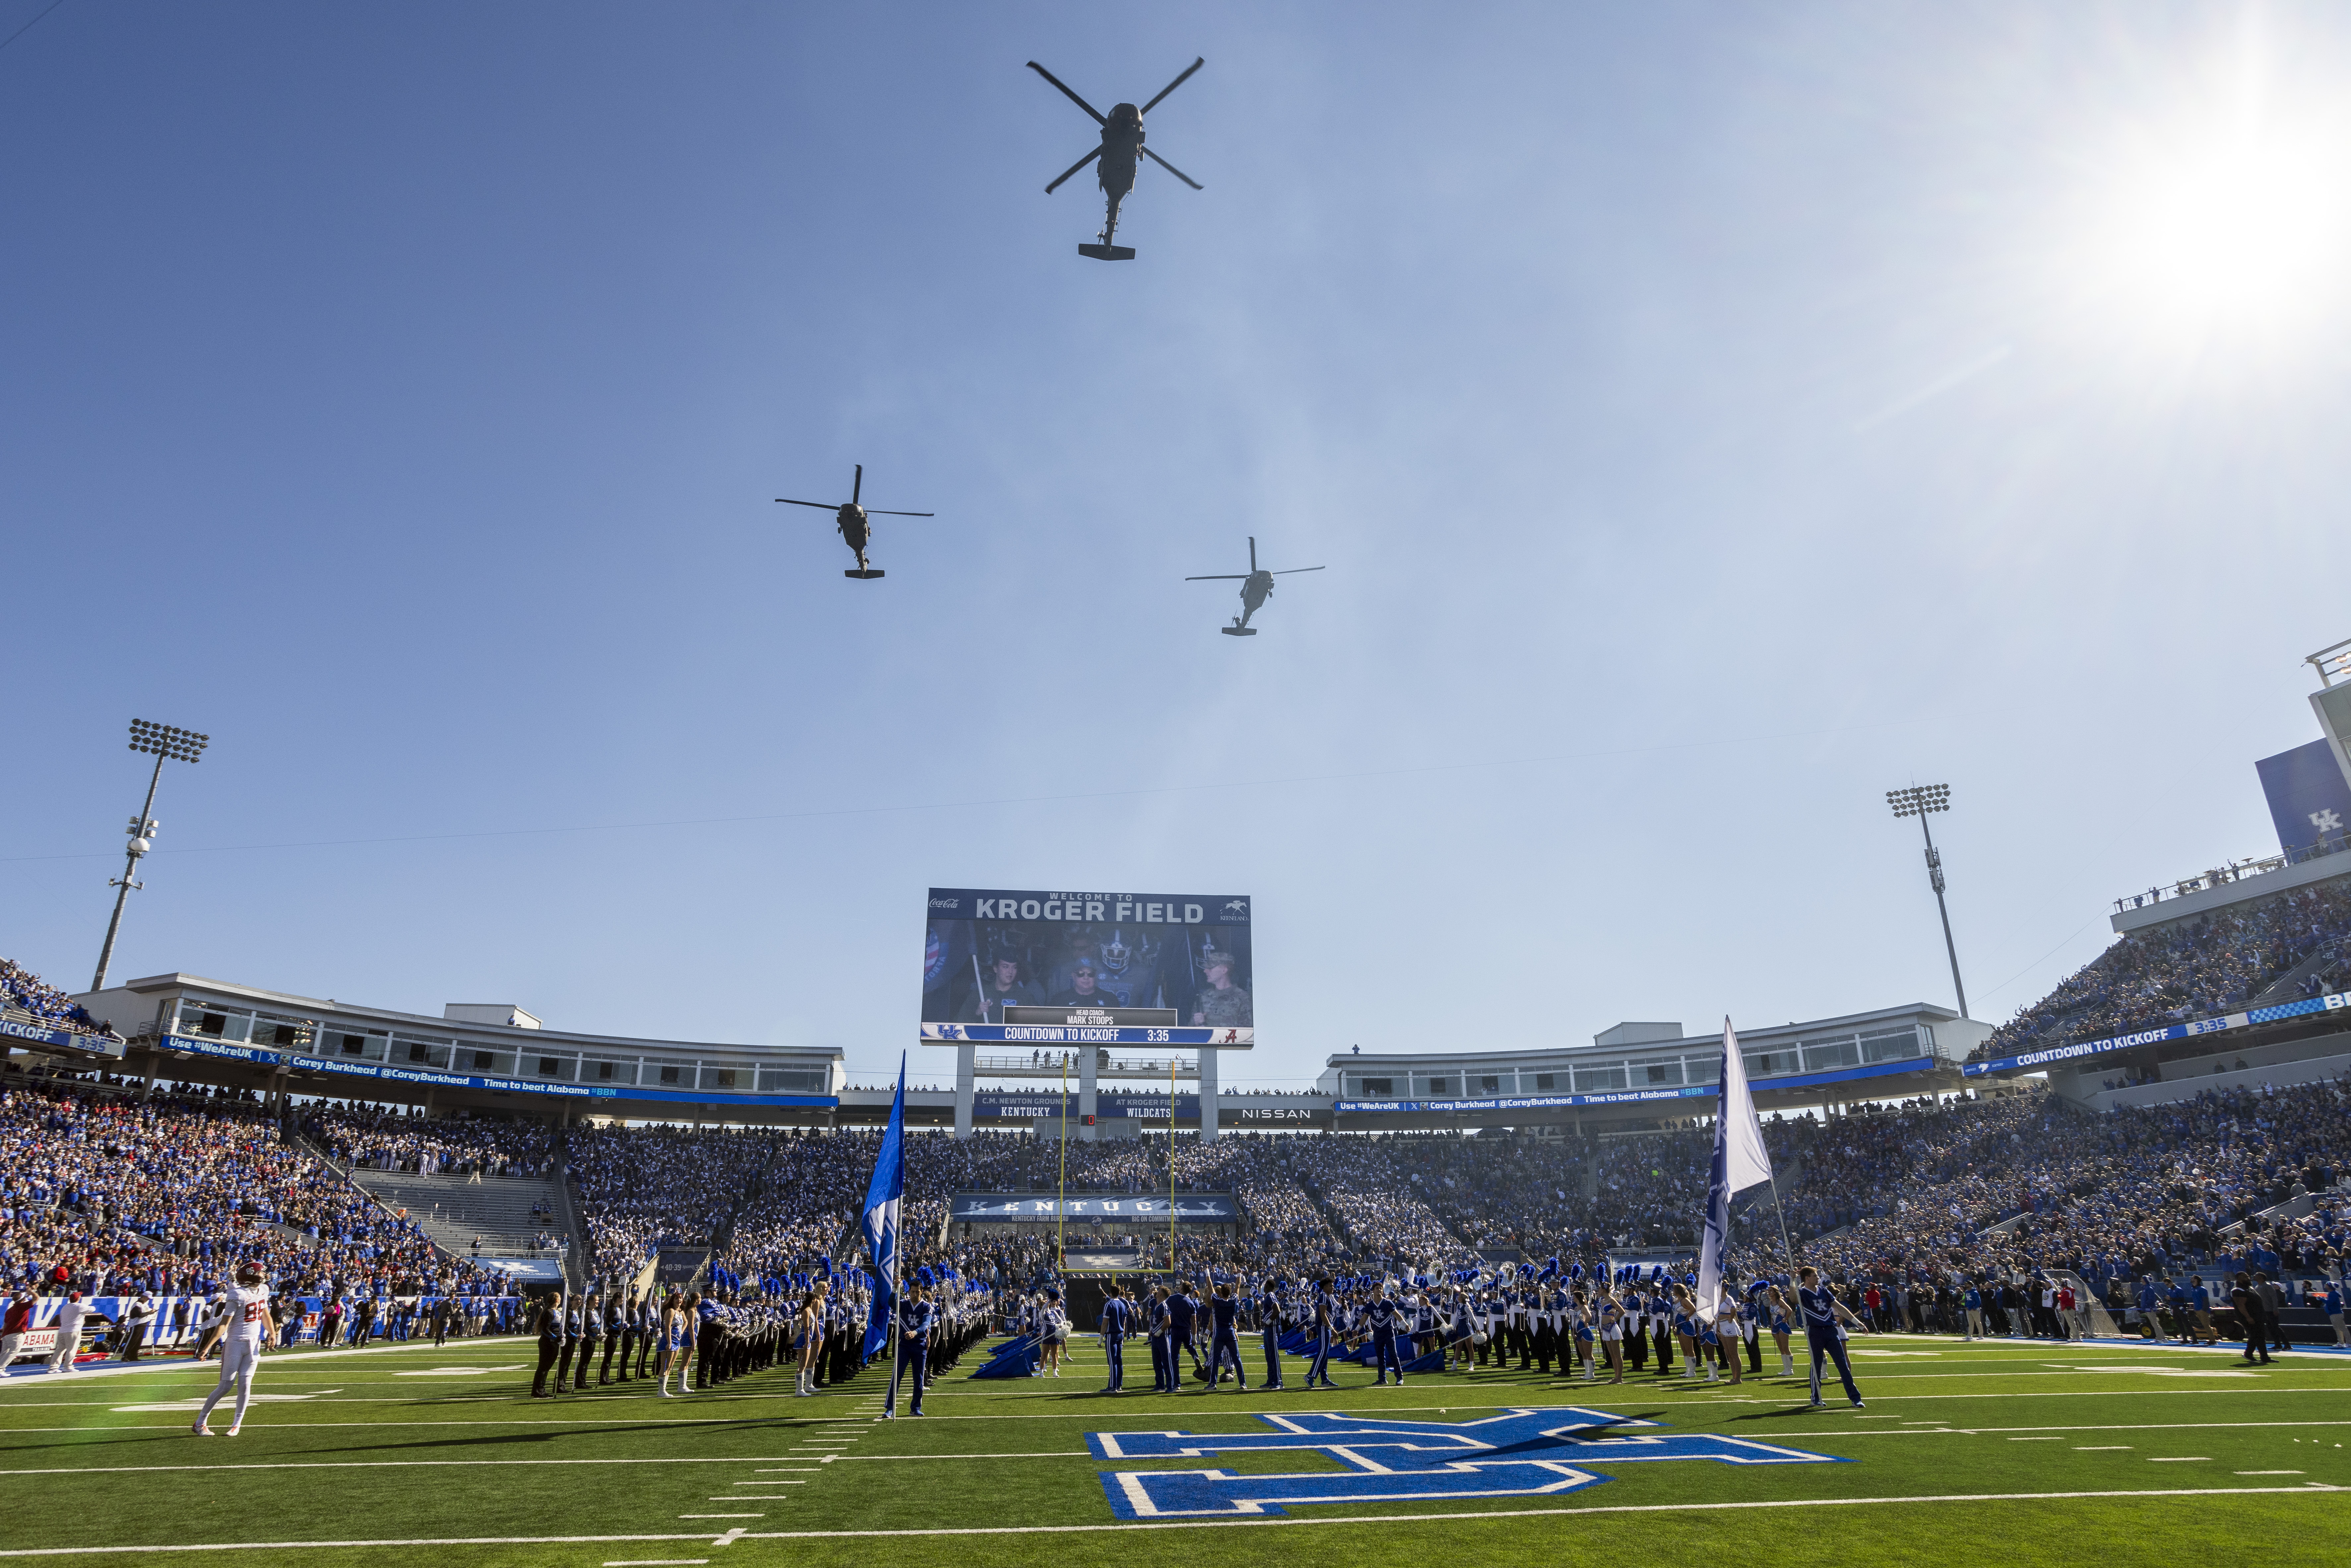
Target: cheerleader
[(1686, 1327), (1612, 1333), (1579, 1311), (1054, 1327), (1726, 1329), (672, 1356), (1776, 1303)]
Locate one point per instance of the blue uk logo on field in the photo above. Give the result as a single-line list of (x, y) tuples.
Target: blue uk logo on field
[(1524, 1452)]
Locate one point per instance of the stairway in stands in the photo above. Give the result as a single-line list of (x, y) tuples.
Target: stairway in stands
[(455, 1210)]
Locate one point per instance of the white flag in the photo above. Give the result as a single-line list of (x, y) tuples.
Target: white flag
[(1746, 1162), (1739, 1163)]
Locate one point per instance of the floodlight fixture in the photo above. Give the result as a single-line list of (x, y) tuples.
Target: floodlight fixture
[(1922, 800), (165, 743)]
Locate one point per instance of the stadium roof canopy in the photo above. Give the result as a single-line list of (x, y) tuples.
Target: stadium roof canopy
[(1649, 1070), (490, 1056)]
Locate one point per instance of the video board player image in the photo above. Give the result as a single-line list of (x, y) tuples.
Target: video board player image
[(1185, 954)]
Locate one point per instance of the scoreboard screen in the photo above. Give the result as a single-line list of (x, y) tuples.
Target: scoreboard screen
[(1023, 967)]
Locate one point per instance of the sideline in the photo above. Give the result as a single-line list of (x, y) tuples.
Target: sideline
[(2310, 1489), (36, 1372)]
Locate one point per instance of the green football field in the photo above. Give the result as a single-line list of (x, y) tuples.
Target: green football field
[(2111, 1454)]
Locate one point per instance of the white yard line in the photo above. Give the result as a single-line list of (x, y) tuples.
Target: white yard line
[(2310, 1489)]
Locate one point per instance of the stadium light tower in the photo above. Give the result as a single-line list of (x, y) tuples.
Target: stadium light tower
[(1922, 800), (168, 744)]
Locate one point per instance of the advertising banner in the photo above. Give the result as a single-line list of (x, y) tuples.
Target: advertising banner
[(434, 1077), (1104, 968), (2309, 800), (1041, 1104), (1031, 1209), (2161, 1032)]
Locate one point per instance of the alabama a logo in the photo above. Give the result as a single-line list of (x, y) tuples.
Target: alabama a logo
[(1524, 1452)]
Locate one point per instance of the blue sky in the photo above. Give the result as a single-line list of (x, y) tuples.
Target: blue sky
[(1710, 417)]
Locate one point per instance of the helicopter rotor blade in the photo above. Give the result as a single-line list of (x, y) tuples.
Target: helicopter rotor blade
[(858, 489), (1252, 554), (1292, 571), (1081, 103), (1172, 86), (878, 512), (822, 506), (1221, 577), (1171, 168), (1074, 168)]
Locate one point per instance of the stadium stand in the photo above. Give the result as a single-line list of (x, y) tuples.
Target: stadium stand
[(172, 1191), (2297, 940), (27, 996)]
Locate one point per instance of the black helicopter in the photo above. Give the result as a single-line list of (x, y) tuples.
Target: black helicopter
[(1122, 139), (1256, 586), (850, 518)]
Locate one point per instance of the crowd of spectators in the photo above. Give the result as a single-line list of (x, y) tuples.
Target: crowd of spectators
[(398, 1138), (23, 991), (642, 1188), (101, 1189), (2192, 969)]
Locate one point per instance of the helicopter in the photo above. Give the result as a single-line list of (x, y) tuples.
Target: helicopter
[(1121, 139), (851, 519), (1256, 586)]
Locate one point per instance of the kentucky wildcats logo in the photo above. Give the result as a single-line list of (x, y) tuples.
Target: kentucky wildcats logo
[(1524, 1452)]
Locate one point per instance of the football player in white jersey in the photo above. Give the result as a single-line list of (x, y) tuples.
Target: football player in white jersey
[(249, 1327)]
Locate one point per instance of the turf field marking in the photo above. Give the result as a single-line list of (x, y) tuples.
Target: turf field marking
[(425, 1464), (2181, 1460), (2036, 1439), (2308, 1489), (459, 1371), (2105, 1449), (722, 1515), (2271, 1472), (654, 1562), (197, 1403)]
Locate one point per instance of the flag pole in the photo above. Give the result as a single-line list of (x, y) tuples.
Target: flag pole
[(1061, 1193)]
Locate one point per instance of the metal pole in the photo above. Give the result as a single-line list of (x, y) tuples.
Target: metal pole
[(130, 865), (1935, 875), (1062, 1194)]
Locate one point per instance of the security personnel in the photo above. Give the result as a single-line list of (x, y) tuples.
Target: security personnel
[(915, 1316), (551, 1344)]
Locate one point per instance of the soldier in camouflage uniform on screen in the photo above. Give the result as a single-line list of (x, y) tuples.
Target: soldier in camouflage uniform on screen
[(1220, 1004)]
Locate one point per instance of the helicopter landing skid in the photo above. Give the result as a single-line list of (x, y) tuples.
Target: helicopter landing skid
[(1107, 252), (1237, 631), (866, 575)]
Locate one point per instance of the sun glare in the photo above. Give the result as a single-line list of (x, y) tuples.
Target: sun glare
[(2249, 231)]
